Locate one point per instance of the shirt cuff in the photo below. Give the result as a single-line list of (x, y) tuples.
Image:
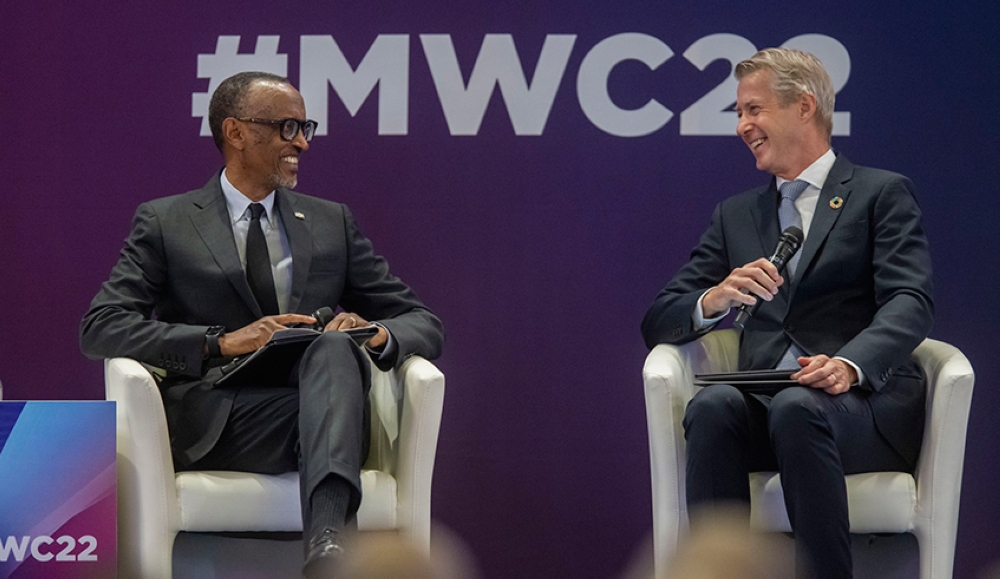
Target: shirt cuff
[(861, 375), (698, 316)]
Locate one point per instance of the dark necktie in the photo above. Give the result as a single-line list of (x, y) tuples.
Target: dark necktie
[(259, 264)]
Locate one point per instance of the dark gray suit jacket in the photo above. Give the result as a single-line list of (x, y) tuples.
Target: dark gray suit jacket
[(862, 288), (180, 273)]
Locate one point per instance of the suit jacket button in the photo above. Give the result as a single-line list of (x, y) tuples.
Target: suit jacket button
[(183, 365), (789, 328)]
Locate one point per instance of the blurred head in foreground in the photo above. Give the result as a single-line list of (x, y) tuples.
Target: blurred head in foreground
[(390, 555), (721, 546)]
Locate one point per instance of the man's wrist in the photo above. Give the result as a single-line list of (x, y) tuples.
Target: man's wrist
[(380, 347), (859, 376), (213, 335), (700, 318)]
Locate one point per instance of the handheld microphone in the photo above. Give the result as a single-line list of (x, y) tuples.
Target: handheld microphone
[(788, 244), (323, 317)]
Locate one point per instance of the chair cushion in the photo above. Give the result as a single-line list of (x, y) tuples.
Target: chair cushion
[(878, 502), (216, 501)]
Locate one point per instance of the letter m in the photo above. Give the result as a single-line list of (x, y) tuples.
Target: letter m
[(10, 545), (386, 64)]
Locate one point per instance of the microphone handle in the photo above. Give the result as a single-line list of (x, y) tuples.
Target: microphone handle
[(788, 244), (746, 312)]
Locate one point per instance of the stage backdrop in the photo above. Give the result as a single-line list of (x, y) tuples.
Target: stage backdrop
[(535, 170)]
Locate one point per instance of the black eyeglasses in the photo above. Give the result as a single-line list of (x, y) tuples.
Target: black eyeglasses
[(289, 127)]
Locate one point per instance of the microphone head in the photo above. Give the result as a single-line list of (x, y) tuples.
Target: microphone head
[(792, 235), (323, 316)]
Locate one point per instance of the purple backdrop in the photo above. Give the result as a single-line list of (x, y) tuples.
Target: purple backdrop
[(540, 252)]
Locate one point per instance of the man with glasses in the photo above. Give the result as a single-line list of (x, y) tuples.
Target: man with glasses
[(213, 273)]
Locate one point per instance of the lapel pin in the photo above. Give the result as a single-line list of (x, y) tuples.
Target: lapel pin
[(300, 215), (836, 203)]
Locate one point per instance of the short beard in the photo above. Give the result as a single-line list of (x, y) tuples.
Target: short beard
[(277, 181)]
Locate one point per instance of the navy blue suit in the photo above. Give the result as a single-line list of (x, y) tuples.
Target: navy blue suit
[(862, 291)]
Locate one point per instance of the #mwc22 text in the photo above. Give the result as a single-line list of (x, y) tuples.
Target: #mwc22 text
[(386, 64)]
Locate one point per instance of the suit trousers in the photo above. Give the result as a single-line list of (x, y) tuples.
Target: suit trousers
[(812, 438), (317, 424)]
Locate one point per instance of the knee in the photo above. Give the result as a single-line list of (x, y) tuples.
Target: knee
[(334, 359), (330, 346), (713, 406), (794, 412), (332, 340)]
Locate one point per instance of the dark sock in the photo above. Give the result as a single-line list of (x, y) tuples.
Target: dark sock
[(328, 504)]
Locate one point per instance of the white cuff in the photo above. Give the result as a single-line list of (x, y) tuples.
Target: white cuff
[(861, 375), (698, 315)]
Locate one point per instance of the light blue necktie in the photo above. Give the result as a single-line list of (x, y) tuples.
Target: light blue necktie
[(788, 216)]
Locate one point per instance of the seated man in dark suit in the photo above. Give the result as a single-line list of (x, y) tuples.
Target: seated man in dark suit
[(845, 316), (213, 273)]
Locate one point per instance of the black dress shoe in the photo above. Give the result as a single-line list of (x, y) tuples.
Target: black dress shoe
[(325, 552)]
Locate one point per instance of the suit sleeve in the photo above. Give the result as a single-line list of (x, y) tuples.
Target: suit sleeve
[(669, 319), (379, 296), (903, 287), (120, 320)]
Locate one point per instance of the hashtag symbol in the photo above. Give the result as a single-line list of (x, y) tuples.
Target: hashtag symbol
[(226, 62)]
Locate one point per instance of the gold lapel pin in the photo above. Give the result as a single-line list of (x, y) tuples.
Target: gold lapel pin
[(836, 203), (301, 215)]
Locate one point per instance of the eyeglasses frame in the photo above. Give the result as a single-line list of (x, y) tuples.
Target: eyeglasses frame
[(300, 126)]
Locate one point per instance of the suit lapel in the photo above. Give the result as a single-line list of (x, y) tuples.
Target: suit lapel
[(210, 217), (765, 214), (837, 185), (299, 231)]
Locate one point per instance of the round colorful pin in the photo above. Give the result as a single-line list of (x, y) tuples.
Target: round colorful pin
[(836, 203)]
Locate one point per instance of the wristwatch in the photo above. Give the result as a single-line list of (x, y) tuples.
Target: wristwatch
[(212, 336)]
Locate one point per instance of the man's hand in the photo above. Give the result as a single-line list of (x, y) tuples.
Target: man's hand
[(251, 338), (347, 320), (832, 375), (759, 278)]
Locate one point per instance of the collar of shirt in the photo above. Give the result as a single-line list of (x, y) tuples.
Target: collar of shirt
[(238, 203), (815, 175)]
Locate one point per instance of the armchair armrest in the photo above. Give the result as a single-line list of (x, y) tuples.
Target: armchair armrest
[(146, 478), (668, 376), (423, 405), (950, 381)]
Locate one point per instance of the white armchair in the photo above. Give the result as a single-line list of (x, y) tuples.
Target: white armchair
[(925, 504), (155, 503)]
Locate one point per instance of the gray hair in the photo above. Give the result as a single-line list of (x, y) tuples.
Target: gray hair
[(794, 73), (228, 100)]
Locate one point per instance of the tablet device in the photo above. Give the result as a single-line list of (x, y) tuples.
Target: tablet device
[(273, 362), (751, 381)]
